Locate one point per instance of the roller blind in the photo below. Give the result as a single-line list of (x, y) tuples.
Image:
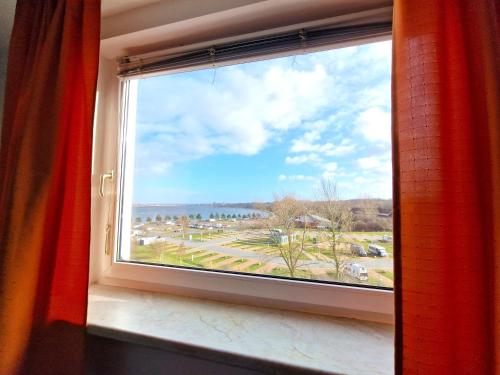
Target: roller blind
[(303, 40)]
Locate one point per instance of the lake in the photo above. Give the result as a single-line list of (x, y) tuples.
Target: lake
[(145, 211)]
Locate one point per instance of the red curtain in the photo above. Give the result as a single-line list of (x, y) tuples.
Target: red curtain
[(45, 167), (446, 106)]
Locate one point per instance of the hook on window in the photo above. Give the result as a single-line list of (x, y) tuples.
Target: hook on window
[(104, 177)]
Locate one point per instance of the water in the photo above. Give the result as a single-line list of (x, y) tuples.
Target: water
[(192, 209)]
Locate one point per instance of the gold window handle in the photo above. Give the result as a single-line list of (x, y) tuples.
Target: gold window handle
[(104, 177)]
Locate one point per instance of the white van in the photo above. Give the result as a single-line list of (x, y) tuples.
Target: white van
[(357, 271), (376, 250)]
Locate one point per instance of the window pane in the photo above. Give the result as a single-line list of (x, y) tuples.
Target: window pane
[(279, 167)]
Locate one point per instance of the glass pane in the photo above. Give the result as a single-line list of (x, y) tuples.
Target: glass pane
[(280, 167)]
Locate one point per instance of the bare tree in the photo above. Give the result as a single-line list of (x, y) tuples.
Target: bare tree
[(282, 226), (184, 222), (339, 220), (181, 251), (158, 247)]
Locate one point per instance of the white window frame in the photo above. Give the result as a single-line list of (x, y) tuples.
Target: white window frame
[(364, 303)]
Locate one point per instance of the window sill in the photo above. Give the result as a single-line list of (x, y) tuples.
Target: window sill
[(253, 337)]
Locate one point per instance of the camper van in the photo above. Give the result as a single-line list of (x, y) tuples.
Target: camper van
[(358, 250), (376, 250), (356, 271), (387, 238)]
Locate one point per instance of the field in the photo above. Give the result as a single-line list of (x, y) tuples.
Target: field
[(252, 251)]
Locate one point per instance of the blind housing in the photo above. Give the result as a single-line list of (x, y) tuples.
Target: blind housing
[(302, 40)]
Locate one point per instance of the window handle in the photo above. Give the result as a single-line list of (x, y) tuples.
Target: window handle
[(104, 177), (106, 243)]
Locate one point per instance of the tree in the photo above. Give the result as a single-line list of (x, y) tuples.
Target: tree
[(211, 216), (138, 220), (149, 220), (181, 251), (253, 215), (223, 216), (158, 218), (184, 223), (168, 218), (159, 247), (339, 218), (217, 216), (198, 217), (239, 216), (285, 212), (176, 218), (191, 217), (234, 216)]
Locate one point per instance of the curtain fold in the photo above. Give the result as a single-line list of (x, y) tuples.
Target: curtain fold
[(446, 129), (45, 167)]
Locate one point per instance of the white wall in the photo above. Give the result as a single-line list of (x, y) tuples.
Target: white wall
[(7, 8)]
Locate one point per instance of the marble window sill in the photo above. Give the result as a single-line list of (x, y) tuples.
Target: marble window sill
[(253, 337)]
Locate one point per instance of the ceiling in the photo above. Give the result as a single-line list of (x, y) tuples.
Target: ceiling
[(112, 7), (140, 28)]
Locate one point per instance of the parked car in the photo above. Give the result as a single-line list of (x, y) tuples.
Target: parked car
[(358, 250), (356, 271), (387, 238), (376, 250)]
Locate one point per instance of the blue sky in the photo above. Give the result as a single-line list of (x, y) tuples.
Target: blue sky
[(269, 127)]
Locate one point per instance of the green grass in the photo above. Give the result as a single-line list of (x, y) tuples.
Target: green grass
[(370, 233), (237, 263), (374, 281), (254, 267), (203, 257), (196, 253), (249, 244), (170, 255), (279, 271), (388, 274), (221, 259), (324, 251)]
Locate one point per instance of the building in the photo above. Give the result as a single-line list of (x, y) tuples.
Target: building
[(312, 221), (143, 241)]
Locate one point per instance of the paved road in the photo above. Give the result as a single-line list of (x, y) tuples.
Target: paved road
[(214, 246)]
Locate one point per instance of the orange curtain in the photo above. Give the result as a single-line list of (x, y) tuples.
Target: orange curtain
[(446, 106), (45, 167)]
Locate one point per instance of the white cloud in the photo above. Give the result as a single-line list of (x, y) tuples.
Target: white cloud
[(375, 125), (159, 167), (378, 163), (328, 175), (240, 114), (301, 159), (330, 100), (307, 143), (296, 177), (331, 166), (345, 147), (369, 162), (361, 180)]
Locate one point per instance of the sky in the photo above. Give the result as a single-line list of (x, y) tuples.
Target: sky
[(244, 133)]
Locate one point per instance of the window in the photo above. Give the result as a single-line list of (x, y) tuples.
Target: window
[(264, 169)]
